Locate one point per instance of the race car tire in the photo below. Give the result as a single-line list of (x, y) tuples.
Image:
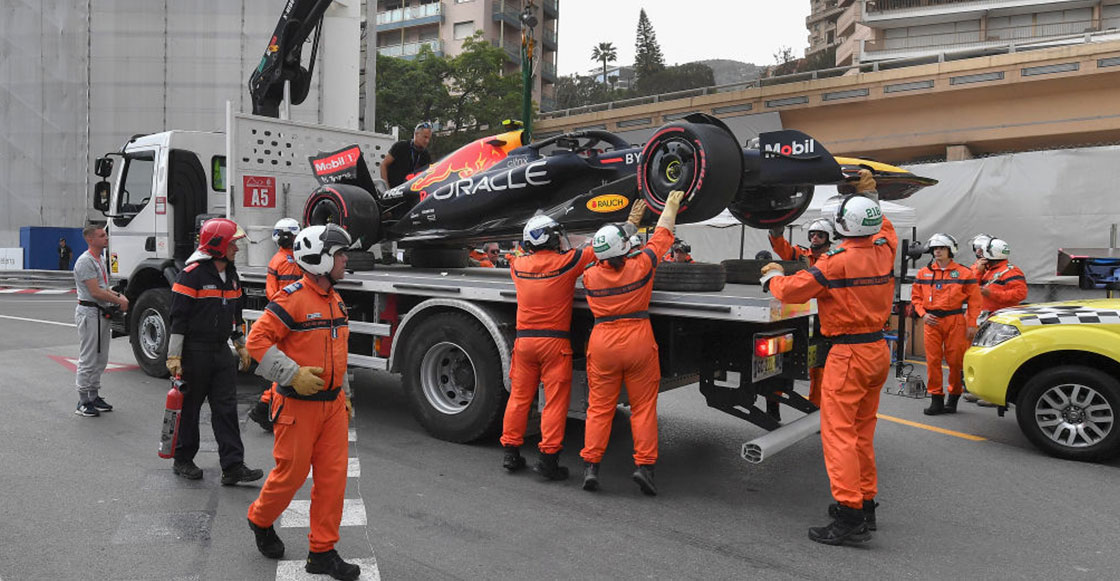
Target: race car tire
[(703, 160), (748, 271), (438, 257), (689, 276), (1071, 412), (746, 207), (358, 260), (151, 330), (349, 206), (452, 376)]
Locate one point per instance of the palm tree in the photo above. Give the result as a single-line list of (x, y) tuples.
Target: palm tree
[(604, 53)]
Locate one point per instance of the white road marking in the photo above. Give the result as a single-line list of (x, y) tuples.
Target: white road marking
[(38, 321), (54, 291), (293, 570), (353, 469), (352, 435), (298, 514)]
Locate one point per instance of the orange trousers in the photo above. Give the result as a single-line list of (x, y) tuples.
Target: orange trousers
[(617, 352), (816, 376), (537, 360), (947, 340), (853, 379), (307, 434)]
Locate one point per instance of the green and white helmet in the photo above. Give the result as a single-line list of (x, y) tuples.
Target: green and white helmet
[(997, 249), (610, 241), (858, 216)]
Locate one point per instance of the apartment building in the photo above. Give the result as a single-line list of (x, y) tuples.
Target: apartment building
[(870, 31), (404, 26)]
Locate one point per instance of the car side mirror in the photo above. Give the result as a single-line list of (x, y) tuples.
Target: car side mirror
[(103, 167), (101, 192)]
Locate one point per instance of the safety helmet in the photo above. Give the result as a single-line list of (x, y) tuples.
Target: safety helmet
[(980, 241), (997, 249), (610, 241), (316, 242), (216, 234), (284, 232), (858, 216), (822, 225), (944, 240), (542, 232)]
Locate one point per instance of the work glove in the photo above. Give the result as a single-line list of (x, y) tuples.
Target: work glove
[(866, 186), (243, 354), (349, 406), (668, 217), (637, 211), (308, 380), (768, 272), (175, 365)]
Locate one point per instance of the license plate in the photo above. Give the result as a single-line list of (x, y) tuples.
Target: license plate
[(764, 367)]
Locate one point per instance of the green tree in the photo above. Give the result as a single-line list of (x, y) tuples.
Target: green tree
[(410, 91), (604, 53), (647, 53), (784, 62)]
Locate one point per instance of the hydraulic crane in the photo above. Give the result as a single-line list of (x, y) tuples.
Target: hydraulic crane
[(282, 59)]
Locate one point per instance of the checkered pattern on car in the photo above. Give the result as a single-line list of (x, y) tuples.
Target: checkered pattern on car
[(1064, 315)]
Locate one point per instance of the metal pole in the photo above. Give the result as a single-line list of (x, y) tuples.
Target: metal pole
[(1111, 245), (528, 22)]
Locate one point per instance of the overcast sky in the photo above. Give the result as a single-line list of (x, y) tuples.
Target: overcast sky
[(687, 30)]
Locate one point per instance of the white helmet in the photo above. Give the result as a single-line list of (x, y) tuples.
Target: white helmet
[(997, 249), (822, 225), (542, 232), (610, 241), (284, 232), (316, 242), (980, 241), (858, 216), (943, 240)]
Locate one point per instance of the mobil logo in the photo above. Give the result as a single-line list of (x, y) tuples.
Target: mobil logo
[(794, 149)]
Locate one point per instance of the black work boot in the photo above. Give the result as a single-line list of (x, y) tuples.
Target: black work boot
[(240, 473), (329, 563), (936, 406), (549, 467), (868, 512), (643, 475), (847, 527), (268, 543), (187, 469), (951, 403), (512, 460), (259, 413), (591, 476)]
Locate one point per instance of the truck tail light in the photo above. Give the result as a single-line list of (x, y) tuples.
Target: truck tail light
[(767, 346)]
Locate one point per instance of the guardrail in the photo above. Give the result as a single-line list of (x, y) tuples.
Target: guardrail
[(37, 278)]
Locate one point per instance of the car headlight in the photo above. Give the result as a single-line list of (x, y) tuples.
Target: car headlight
[(992, 334)]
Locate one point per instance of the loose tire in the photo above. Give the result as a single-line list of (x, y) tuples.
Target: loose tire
[(358, 260), (748, 271), (151, 329), (1070, 412), (452, 376), (703, 160), (689, 276), (349, 206)]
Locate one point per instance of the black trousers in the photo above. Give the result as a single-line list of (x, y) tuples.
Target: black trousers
[(210, 373)]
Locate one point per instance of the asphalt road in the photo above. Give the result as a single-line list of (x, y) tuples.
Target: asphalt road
[(88, 498)]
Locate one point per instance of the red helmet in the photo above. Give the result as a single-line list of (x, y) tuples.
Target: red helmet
[(216, 234)]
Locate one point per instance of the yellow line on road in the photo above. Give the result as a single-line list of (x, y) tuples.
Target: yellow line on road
[(931, 428)]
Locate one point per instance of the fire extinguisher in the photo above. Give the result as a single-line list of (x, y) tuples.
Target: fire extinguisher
[(170, 433)]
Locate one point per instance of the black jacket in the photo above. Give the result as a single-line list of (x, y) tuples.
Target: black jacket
[(204, 309)]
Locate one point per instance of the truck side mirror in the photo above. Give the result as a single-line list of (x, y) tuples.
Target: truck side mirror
[(103, 167), (101, 195)]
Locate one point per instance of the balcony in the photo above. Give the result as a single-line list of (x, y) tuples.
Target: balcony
[(551, 8), (548, 37), (826, 14), (846, 23), (892, 13), (508, 12), (411, 16), (408, 51), (996, 40), (548, 72)]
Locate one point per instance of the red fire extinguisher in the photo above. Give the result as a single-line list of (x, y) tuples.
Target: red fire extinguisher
[(170, 433)]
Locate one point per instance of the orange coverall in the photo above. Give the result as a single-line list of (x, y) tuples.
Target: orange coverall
[(622, 349), (1006, 285), (546, 283), (854, 288), (310, 326), (943, 293), (787, 251), (282, 271)]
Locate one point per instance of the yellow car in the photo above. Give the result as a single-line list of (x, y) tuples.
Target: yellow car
[(1058, 364)]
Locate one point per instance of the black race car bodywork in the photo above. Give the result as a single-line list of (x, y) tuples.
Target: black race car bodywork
[(486, 190)]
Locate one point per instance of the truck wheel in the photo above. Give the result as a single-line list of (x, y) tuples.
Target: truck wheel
[(349, 206), (748, 271), (1070, 412), (703, 160), (151, 329), (453, 378), (690, 276)]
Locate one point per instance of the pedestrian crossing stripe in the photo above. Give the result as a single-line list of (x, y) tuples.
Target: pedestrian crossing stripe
[(293, 570), (1063, 315), (298, 514), (353, 469)]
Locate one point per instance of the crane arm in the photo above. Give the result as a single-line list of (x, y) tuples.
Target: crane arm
[(282, 58)]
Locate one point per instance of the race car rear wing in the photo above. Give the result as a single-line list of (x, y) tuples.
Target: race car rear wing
[(1096, 268)]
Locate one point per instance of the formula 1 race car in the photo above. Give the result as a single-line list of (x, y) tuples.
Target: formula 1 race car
[(487, 189)]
